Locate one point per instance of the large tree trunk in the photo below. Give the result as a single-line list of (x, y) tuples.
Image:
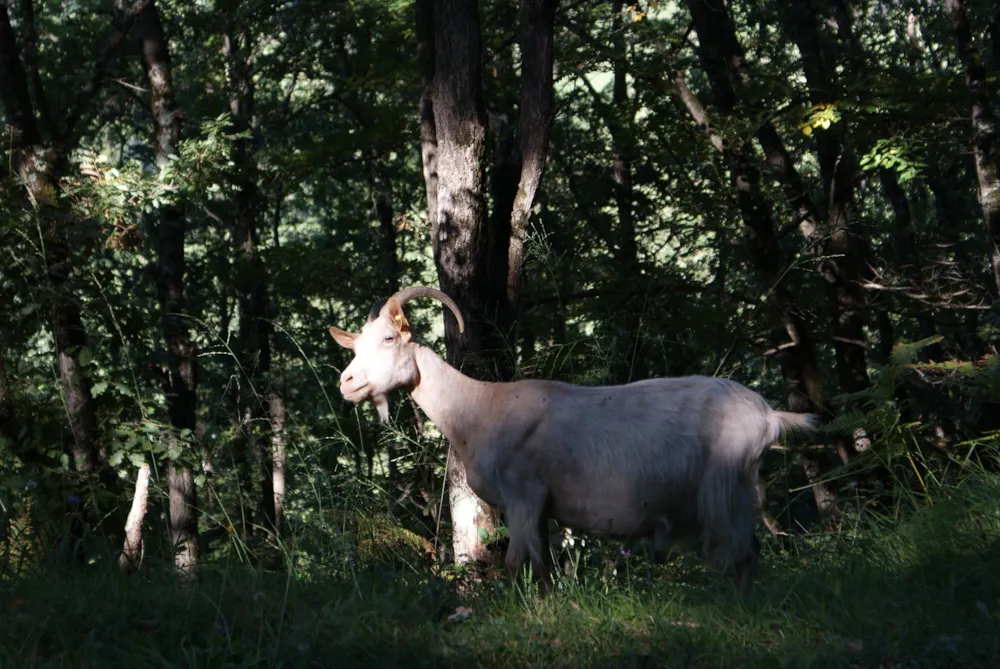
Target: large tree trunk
[(453, 134), (984, 132), (458, 223), (250, 274), (182, 355), (37, 164), (458, 231)]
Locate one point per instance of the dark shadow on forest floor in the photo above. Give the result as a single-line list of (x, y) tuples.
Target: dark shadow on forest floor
[(926, 596)]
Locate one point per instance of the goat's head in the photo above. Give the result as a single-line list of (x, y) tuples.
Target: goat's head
[(384, 351)]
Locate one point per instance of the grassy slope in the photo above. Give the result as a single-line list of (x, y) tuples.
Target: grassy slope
[(925, 593)]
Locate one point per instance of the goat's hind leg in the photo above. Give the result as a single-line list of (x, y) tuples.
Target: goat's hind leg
[(745, 567), (528, 538)]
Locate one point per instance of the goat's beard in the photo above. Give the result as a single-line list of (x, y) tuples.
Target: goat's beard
[(381, 403)]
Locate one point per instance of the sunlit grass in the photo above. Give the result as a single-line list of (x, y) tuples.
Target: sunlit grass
[(920, 592)]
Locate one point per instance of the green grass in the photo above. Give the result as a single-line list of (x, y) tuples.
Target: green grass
[(918, 592)]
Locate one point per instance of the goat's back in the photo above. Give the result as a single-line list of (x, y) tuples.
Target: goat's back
[(617, 459)]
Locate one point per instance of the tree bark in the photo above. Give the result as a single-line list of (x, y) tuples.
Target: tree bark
[(984, 132), (907, 257), (458, 224), (537, 18), (182, 354), (843, 269), (380, 191), (250, 275), (279, 456), (453, 137), (798, 361), (133, 550), (38, 165), (626, 253), (426, 55)]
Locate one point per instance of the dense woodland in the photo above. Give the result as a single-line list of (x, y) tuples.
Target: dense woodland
[(802, 196)]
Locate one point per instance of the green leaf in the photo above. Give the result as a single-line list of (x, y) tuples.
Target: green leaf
[(116, 458), (99, 388), (85, 356), (137, 459)]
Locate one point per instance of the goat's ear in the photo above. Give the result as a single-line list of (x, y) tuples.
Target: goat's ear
[(394, 311), (345, 339)]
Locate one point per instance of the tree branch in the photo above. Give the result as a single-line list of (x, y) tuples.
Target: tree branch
[(93, 85)]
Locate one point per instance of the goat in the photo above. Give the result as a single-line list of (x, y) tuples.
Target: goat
[(667, 457)]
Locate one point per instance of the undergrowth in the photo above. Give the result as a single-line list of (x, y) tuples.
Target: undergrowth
[(921, 590)]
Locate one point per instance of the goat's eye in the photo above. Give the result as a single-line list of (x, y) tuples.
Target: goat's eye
[(388, 339)]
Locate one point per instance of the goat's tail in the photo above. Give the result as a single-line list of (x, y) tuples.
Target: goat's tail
[(786, 421)]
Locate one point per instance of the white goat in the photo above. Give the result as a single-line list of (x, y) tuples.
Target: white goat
[(666, 457)]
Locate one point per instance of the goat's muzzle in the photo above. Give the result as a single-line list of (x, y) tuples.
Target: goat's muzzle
[(352, 388)]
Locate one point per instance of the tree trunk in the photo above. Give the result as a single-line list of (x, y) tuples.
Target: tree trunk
[(380, 192), (798, 361), (984, 132), (458, 232), (182, 354), (250, 274), (38, 165), (725, 65), (458, 223), (426, 55), (132, 552), (6, 402), (906, 255), (626, 252), (279, 456), (844, 265), (537, 19), (453, 134)]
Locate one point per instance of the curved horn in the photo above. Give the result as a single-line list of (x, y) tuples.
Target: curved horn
[(376, 309), (407, 294)]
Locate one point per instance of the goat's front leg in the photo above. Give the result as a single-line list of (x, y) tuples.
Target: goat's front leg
[(662, 539)]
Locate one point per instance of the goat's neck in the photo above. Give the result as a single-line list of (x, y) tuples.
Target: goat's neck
[(455, 403)]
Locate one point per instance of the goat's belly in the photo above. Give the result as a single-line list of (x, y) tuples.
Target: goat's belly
[(617, 525)]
